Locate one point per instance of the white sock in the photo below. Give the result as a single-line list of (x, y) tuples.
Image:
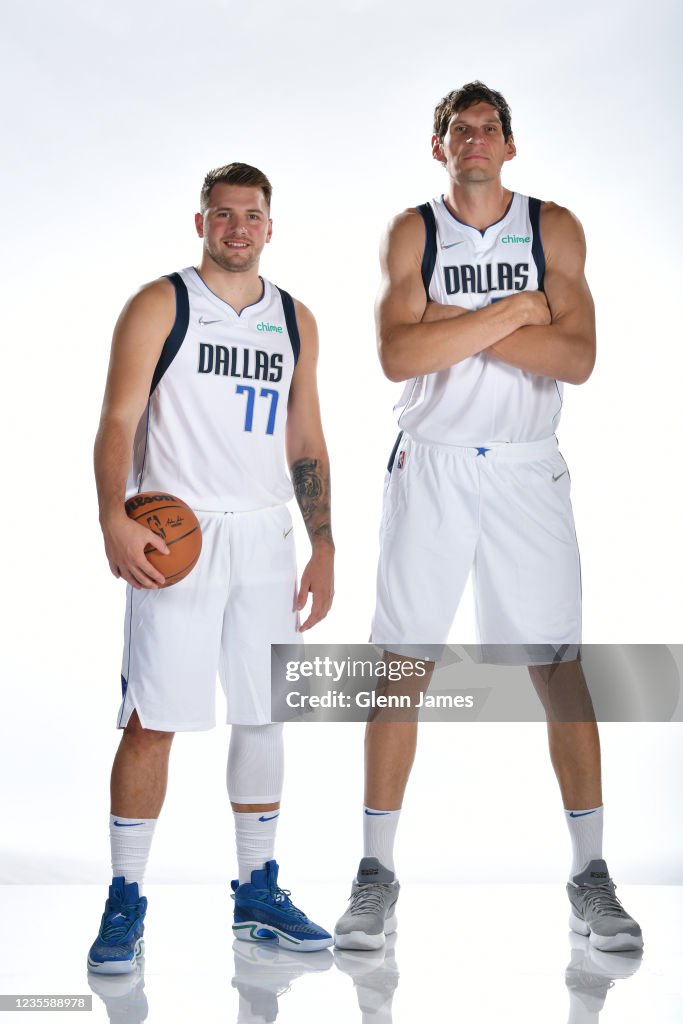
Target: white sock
[(379, 830), (255, 840), (585, 830), (131, 839)]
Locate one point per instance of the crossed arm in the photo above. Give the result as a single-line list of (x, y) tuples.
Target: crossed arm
[(551, 334)]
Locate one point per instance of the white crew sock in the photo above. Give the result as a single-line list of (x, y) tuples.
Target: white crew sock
[(585, 830), (131, 839), (379, 830), (255, 840)]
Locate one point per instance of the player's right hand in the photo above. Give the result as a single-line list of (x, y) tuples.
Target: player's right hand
[(537, 308), (124, 544)]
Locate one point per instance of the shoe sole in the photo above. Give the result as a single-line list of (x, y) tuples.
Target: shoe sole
[(247, 931), (622, 942), (118, 966), (365, 940)]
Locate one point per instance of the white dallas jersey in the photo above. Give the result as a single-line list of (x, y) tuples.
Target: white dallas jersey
[(213, 431), (481, 400)]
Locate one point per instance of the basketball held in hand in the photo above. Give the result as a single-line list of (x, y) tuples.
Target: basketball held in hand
[(179, 527)]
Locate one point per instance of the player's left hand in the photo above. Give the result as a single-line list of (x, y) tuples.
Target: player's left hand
[(318, 580)]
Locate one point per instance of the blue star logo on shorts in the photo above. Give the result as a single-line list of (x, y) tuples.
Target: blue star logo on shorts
[(483, 451)]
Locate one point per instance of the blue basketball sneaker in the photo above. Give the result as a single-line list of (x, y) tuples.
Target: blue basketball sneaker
[(119, 942), (265, 913)]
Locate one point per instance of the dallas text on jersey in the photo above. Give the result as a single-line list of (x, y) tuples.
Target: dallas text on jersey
[(250, 364)]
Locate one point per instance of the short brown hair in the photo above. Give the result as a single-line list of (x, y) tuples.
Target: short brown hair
[(467, 96), (234, 174)]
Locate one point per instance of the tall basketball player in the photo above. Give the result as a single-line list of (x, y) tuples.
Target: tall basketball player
[(484, 311), (212, 381)]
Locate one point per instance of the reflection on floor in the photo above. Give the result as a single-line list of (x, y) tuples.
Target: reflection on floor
[(477, 953), (264, 972), (591, 974), (375, 978), (122, 994)]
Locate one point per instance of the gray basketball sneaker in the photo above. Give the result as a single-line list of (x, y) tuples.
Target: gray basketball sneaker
[(371, 913), (597, 912)]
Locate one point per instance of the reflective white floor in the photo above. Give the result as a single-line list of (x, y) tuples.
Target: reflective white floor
[(471, 953)]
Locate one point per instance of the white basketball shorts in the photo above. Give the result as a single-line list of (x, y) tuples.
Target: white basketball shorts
[(502, 512), (222, 618)]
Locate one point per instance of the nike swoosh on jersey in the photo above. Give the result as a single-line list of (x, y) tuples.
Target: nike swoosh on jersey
[(556, 478), (286, 533), (205, 323), (449, 245)]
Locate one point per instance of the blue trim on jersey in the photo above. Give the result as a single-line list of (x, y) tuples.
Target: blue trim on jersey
[(178, 331), (222, 302), (429, 253), (480, 231), (390, 463), (556, 417), (537, 244), (144, 454), (290, 320)]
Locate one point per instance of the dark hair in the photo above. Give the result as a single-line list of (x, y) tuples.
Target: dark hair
[(467, 96), (234, 174)]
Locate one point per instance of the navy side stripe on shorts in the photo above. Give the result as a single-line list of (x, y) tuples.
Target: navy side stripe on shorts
[(392, 457)]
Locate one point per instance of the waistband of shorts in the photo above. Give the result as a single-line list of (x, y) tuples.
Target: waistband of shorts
[(494, 449), (214, 513)]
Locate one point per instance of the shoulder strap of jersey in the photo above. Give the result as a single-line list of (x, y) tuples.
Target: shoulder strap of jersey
[(178, 331), (290, 320), (537, 244), (429, 255)]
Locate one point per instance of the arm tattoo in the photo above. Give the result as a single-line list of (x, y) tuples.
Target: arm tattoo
[(312, 490)]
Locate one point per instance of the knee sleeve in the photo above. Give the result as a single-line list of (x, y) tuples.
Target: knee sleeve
[(255, 764)]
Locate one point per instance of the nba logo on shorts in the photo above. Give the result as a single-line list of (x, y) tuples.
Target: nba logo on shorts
[(401, 459)]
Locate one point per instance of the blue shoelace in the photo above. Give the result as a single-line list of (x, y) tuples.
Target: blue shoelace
[(115, 931), (281, 897)]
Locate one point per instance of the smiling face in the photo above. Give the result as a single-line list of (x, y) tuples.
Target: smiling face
[(473, 148), (235, 226)]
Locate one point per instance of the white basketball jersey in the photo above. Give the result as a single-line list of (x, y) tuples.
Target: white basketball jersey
[(481, 400), (213, 431)]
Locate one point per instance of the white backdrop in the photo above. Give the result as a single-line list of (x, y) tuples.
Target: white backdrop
[(115, 114)]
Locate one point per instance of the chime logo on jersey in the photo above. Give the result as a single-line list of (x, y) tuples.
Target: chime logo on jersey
[(233, 361), (487, 277)]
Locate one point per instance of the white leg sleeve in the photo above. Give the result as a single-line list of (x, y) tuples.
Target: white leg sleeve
[(255, 764)]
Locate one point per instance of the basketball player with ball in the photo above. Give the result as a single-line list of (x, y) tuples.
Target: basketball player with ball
[(484, 312), (212, 381)]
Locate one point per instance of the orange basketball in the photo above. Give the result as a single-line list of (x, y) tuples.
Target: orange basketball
[(175, 521)]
